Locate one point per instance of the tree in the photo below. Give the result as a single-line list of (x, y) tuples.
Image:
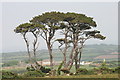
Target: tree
[(64, 42), (51, 21), (76, 29), (79, 27), (34, 29), (23, 29)]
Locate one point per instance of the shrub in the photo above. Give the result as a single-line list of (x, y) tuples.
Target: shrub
[(8, 74), (91, 72), (45, 70), (82, 71), (103, 70), (34, 74), (117, 70)]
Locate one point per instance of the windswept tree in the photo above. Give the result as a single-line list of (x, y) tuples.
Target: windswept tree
[(23, 29), (79, 30), (51, 21), (35, 29), (76, 30), (64, 42), (81, 26), (29, 28)]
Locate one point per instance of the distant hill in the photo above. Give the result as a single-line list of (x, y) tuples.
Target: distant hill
[(90, 53)]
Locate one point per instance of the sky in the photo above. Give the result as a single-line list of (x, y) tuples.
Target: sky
[(14, 13)]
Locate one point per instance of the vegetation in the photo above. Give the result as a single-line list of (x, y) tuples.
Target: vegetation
[(7, 74), (33, 74), (76, 29), (81, 73)]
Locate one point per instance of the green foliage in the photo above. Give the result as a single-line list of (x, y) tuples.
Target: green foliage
[(49, 18), (42, 69), (103, 70), (8, 74), (52, 17), (27, 27), (79, 18), (65, 70), (117, 70), (45, 70), (81, 71), (33, 74), (99, 36)]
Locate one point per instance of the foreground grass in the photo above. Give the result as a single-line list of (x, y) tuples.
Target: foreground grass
[(87, 76)]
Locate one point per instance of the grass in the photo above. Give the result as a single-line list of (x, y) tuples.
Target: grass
[(87, 76)]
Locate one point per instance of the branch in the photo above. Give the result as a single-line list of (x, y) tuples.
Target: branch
[(60, 49), (37, 46), (42, 36), (52, 43)]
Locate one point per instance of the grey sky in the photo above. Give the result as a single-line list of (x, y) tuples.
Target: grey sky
[(13, 14)]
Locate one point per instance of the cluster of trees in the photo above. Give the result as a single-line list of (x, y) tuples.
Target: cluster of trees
[(75, 28)]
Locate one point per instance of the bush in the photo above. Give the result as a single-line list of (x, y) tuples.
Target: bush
[(90, 72), (82, 71), (8, 74), (45, 70), (103, 70), (41, 68), (117, 70), (34, 74)]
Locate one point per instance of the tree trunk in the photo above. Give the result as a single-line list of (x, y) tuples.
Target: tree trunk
[(71, 56), (27, 45), (65, 49), (50, 53), (74, 51), (64, 55), (79, 59), (80, 53), (76, 60), (34, 46), (34, 52)]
